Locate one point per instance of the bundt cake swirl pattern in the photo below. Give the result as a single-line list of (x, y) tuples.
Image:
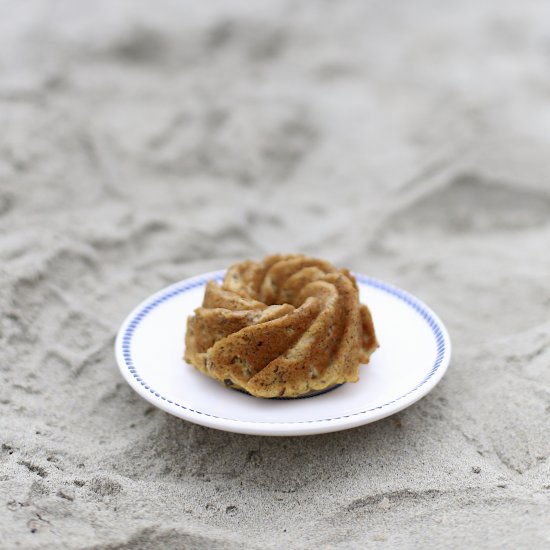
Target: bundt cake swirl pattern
[(284, 327)]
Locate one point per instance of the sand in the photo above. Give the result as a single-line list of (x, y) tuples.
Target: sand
[(142, 143)]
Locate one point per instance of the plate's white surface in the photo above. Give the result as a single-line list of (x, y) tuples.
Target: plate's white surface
[(414, 354)]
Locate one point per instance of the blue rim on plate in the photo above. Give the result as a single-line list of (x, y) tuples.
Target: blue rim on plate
[(127, 331)]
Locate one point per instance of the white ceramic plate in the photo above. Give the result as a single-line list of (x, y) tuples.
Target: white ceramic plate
[(414, 354)]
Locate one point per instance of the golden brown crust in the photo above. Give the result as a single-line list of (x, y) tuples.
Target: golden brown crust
[(286, 326)]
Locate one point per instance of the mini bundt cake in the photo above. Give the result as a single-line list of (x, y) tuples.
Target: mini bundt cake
[(284, 327)]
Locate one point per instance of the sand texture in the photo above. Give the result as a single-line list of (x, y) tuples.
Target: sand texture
[(145, 142)]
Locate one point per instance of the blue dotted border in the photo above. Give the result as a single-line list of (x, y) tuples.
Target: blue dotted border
[(188, 285)]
